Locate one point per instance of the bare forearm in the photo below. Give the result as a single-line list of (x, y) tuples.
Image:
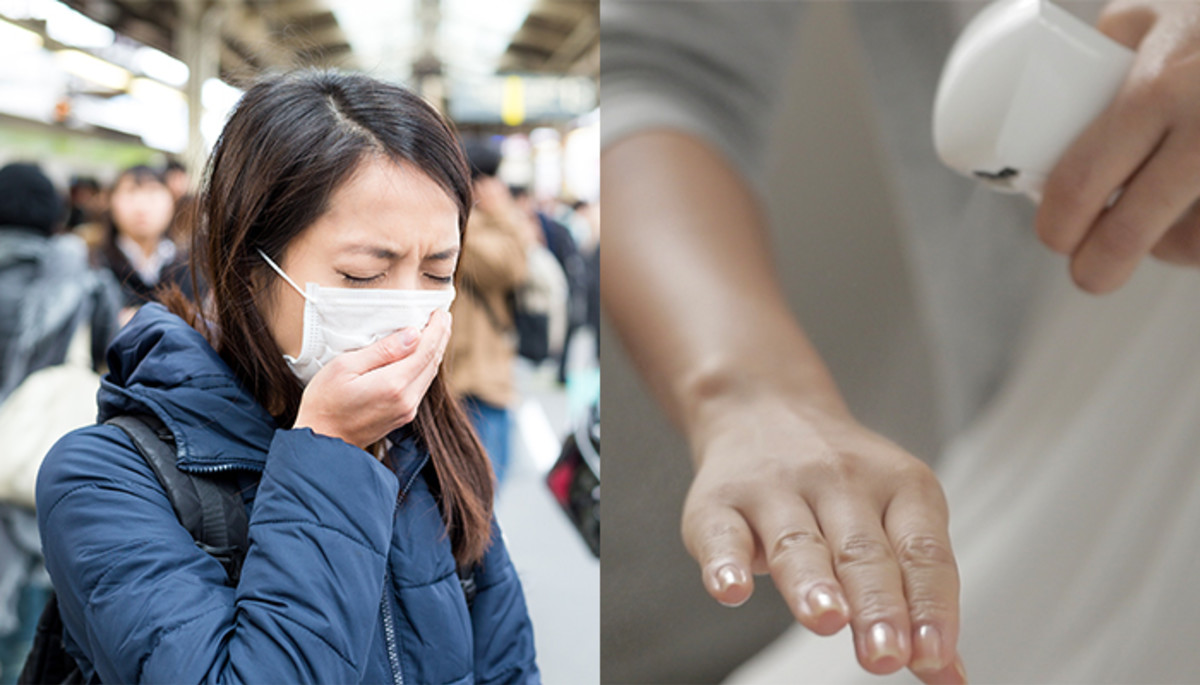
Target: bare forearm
[(689, 283)]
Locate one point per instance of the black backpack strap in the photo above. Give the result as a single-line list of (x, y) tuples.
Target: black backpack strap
[(48, 660), (209, 506), (466, 579)]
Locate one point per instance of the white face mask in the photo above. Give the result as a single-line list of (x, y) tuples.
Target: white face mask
[(338, 320)]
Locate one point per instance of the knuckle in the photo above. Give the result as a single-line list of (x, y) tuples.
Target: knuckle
[(394, 394), (793, 542), (874, 603), (389, 348), (718, 533), (408, 401), (924, 608), (833, 470), (921, 550), (925, 483), (859, 549), (1118, 236), (727, 493), (430, 354), (1063, 194), (706, 537)]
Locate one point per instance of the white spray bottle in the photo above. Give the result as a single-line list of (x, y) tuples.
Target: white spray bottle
[(1023, 80)]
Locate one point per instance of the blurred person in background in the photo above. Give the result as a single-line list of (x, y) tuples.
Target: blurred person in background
[(559, 240), (85, 201), (55, 312), (492, 266), (48, 293), (87, 207), (137, 246), (176, 177), (373, 555), (576, 215), (1067, 421)]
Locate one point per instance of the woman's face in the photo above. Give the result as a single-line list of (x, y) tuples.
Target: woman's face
[(389, 226), (142, 211)]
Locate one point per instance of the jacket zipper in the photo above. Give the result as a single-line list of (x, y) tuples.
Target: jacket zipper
[(223, 467), (389, 628), (389, 633)]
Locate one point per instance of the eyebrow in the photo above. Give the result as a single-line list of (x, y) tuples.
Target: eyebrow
[(373, 250), (444, 255), (391, 255)]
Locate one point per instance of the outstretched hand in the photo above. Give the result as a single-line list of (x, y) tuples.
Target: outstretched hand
[(852, 529)]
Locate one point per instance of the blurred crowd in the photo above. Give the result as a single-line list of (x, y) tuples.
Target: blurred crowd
[(76, 264)]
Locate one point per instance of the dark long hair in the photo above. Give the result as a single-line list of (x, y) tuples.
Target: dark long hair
[(291, 141)]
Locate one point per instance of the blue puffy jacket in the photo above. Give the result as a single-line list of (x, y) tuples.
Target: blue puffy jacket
[(340, 585)]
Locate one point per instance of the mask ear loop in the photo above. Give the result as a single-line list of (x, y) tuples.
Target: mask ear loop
[(279, 271)]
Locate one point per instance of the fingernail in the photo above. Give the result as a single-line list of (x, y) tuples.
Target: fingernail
[(821, 600), (409, 336), (883, 643), (927, 649), (726, 577)]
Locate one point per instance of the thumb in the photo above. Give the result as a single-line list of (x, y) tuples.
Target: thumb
[(385, 351)]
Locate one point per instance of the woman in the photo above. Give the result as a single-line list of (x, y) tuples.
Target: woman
[(364, 485), (136, 247)]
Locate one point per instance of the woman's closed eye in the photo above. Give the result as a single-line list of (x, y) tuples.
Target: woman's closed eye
[(439, 279), (360, 280)]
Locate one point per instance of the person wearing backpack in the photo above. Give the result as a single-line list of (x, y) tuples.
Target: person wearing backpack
[(493, 266), (329, 227), (56, 318)]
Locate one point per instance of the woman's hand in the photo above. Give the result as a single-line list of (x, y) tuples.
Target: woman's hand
[(1147, 142), (362, 396), (851, 528)]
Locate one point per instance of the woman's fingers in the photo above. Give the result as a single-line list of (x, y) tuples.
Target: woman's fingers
[(381, 353), (800, 563), (1124, 234), (425, 354), (916, 524), (954, 674), (1181, 244), (404, 383), (1096, 164), (866, 567), (719, 538)]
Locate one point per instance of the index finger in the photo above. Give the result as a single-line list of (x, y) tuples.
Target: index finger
[(426, 356), (720, 539), (382, 352)]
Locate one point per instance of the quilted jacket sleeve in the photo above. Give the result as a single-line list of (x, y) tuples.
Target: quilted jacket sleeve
[(144, 604), (504, 649)]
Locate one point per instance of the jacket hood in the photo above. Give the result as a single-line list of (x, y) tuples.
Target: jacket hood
[(25, 245), (158, 363)]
